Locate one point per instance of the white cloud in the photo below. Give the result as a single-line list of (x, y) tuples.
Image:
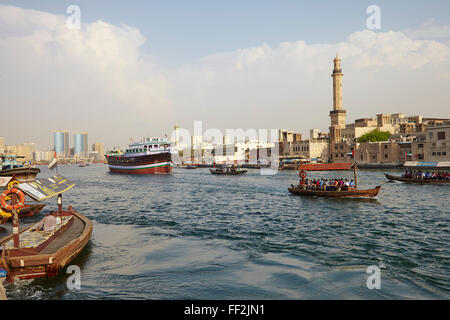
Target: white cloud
[(97, 79), (429, 30), (94, 79)]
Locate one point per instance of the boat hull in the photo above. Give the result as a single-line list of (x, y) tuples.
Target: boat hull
[(230, 173), (371, 193), (21, 174), (416, 181), (147, 164)]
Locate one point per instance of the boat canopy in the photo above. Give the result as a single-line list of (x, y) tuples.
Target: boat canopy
[(42, 189), (437, 165), (326, 166)]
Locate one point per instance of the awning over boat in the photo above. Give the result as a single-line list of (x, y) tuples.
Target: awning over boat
[(427, 164), (42, 189), (326, 166)]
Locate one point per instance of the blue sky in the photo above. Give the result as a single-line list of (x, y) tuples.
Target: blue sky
[(179, 32), (231, 64)]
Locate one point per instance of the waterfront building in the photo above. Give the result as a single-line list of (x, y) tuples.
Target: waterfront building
[(407, 142), (98, 151), (80, 145), (61, 143), (287, 140), (437, 142), (338, 114), (26, 150), (43, 156)]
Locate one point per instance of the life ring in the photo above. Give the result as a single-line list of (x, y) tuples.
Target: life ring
[(302, 174), (10, 207)]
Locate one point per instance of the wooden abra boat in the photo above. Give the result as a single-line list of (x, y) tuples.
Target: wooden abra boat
[(45, 253), (416, 181), (222, 171), (34, 252), (371, 193), (300, 190)]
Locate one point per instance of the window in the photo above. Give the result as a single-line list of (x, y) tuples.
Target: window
[(420, 145), (385, 146), (444, 153), (439, 154), (337, 155), (430, 135), (420, 156), (385, 156), (441, 135), (342, 147), (342, 155), (434, 154)]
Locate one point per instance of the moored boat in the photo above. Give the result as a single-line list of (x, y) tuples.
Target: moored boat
[(417, 181), (44, 248), (11, 168), (150, 156)]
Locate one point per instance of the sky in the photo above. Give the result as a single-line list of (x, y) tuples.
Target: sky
[(135, 68)]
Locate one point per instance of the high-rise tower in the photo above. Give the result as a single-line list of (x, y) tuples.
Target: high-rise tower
[(337, 115)]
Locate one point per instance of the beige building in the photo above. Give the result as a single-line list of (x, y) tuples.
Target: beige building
[(312, 149), (287, 140), (99, 149), (437, 142), (25, 149)]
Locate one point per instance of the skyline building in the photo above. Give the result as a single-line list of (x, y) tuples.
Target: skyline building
[(80, 144), (61, 143)]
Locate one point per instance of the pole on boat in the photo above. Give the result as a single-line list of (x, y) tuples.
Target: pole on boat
[(60, 203), (15, 218), (354, 172)]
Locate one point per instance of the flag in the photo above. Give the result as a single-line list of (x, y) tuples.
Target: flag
[(53, 163)]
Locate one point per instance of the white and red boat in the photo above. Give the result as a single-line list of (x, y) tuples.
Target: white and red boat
[(150, 156)]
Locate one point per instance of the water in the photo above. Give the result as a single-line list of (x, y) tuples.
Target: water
[(193, 235)]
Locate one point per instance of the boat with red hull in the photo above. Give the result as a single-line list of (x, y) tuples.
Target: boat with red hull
[(151, 156)]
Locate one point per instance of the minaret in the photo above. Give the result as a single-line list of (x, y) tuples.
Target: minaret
[(337, 115)]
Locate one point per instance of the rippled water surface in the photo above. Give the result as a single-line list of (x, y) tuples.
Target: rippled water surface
[(193, 235)]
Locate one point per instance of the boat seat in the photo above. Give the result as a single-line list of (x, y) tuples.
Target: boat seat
[(32, 239)]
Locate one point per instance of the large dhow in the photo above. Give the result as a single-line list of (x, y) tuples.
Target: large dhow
[(44, 248), (150, 156), (304, 189)]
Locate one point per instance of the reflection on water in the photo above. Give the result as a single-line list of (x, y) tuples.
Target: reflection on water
[(193, 235)]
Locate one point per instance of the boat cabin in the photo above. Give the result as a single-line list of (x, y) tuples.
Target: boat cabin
[(148, 146), (9, 162)]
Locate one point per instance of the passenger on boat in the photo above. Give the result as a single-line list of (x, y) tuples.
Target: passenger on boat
[(351, 184), (48, 223)]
